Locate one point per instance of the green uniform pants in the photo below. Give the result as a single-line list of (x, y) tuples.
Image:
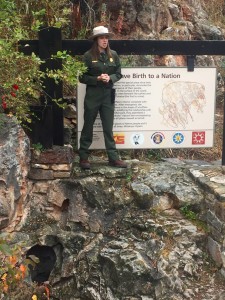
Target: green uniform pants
[(98, 99)]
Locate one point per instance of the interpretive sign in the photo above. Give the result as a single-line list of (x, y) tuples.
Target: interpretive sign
[(159, 108)]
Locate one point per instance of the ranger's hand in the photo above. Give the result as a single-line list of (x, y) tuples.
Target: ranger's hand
[(104, 78)]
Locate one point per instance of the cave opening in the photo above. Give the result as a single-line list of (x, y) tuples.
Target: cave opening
[(41, 268)]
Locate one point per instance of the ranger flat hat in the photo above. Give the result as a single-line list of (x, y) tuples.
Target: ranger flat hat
[(100, 30)]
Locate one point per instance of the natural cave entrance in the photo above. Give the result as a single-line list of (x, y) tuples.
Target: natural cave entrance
[(41, 270)]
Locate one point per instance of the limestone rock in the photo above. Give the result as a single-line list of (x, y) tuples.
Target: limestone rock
[(14, 167), (165, 20), (143, 195)]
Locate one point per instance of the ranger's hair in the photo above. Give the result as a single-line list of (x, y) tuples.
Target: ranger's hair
[(95, 51)]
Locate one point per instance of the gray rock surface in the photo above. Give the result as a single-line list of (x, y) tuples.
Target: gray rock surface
[(165, 19), (14, 166), (108, 247)]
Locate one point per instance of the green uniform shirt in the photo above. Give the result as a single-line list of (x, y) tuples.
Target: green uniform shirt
[(104, 65)]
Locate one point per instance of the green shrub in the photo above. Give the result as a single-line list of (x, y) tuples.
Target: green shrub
[(21, 80)]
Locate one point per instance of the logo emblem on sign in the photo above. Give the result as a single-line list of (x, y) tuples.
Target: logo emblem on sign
[(119, 138), (137, 139), (178, 138), (157, 137), (198, 137)]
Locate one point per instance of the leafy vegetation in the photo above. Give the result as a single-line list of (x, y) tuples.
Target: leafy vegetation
[(188, 212), (38, 147), (15, 283), (191, 215), (21, 82)]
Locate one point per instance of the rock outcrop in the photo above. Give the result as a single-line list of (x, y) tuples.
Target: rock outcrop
[(14, 167), (119, 234), (160, 19)]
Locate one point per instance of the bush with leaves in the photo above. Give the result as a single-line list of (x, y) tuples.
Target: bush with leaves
[(15, 282), (21, 81), (12, 270)]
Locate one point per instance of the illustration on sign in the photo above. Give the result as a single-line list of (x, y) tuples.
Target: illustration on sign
[(179, 99), (159, 108)]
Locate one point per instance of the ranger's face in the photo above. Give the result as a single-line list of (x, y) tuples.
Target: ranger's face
[(102, 42)]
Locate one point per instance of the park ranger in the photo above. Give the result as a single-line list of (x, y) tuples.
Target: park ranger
[(103, 69)]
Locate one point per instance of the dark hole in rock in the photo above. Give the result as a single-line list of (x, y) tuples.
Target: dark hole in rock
[(65, 205), (64, 213), (40, 271)]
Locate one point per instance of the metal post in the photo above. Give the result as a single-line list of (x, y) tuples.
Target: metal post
[(50, 41), (41, 125)]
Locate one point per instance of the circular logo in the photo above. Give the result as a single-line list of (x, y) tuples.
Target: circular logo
[(178, 138), (157, 138), (137, 139)]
